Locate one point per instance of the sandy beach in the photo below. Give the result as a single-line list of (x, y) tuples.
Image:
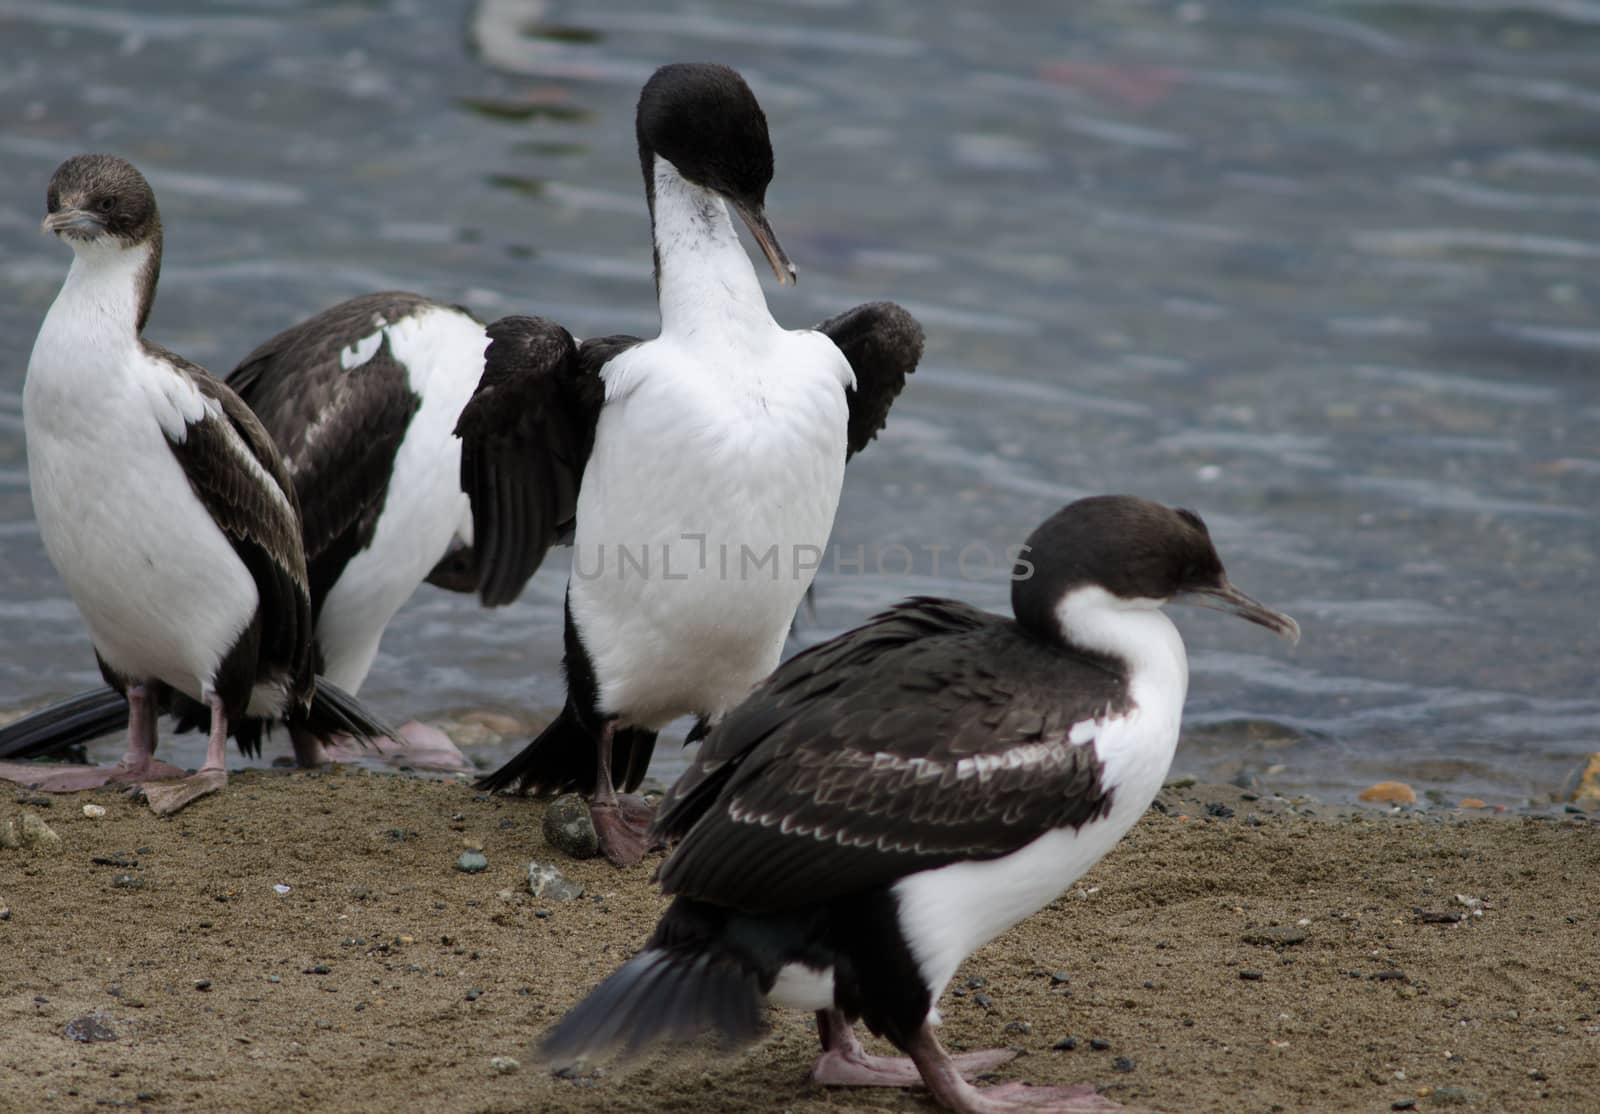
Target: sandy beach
[(1237, 952)]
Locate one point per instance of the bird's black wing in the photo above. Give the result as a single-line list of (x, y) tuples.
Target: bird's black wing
[(236, 472), (339, 428), (883, 344), (525, 438), (933, 734)]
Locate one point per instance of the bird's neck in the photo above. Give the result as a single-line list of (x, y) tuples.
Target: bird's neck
[(1137, 635), (704, 279), (108, 291)]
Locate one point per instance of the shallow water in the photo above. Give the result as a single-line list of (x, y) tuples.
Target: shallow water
[(1324, 272)]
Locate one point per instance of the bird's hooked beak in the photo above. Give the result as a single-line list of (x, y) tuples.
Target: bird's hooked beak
[(70, 219), (755, 216), (1225, 597)]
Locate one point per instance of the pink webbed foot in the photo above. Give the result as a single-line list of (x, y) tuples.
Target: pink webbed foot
[(845, 1063), (420, 746), (168, 797), (621, 826), (942, 1076), (74, 779), (837, 1068)]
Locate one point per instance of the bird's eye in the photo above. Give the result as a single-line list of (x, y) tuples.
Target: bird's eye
[(106, 204)]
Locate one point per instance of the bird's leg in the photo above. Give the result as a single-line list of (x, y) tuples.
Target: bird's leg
[(844, 1063), (308, 752), (942, 1077), (169, 796), (137, 764), (619, 820)]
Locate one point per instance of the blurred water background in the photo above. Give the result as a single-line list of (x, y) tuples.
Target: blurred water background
[(1326, 272)]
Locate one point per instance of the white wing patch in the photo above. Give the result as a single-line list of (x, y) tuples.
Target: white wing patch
[(354, 355), (176, 402)]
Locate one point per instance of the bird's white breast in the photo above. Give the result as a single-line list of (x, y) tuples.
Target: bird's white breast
[(703, 515), (159, 585), (442, 353), (947, 913)]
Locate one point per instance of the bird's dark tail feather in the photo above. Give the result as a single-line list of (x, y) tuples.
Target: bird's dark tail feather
[(77, 719), (660, 996), (333, 710), (561, 759)]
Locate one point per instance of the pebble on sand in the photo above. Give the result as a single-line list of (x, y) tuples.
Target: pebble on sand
[(548, 882), (569, 828), (472, 862), (1391, 793), (89, 1030), (94, 812), (504, 1065)]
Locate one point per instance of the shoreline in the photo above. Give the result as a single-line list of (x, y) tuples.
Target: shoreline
[(1231, 954)]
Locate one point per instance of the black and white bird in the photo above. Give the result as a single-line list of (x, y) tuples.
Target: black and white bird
[(702, 469), (164, 506), (361, 401), (891, 800)]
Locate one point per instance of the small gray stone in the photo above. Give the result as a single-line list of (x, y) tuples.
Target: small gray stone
[(547, 882), (1278, 936), (90, 1030), (472, 862), (569, 828), (504, 1065), (1452, 1096)]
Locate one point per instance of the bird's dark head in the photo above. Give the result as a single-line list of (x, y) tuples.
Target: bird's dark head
[(704, 120), (1122, 552), (101, 199)]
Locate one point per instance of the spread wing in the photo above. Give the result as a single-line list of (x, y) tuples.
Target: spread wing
[(883, 344), (338, 427), (525, 438), (933, 734), (237, 473)]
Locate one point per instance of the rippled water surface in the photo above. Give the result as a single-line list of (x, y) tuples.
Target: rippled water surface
[(1326, 272)]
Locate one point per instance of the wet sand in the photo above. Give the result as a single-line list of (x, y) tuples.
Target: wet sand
[(1231, 955)]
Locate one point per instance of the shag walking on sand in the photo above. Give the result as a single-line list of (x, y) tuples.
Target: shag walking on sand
[(164, 506), (891, 800), (702, 468)]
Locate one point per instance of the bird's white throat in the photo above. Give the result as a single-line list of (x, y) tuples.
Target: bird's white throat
[(707, 281)]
